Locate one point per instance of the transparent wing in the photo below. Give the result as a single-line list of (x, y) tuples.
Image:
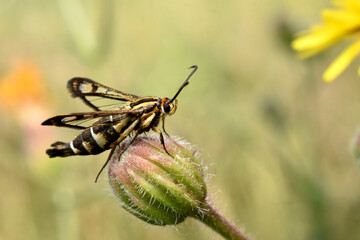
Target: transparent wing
[(75, 120), (87, 89)]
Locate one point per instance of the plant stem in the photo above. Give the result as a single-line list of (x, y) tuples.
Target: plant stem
[(219, 224)]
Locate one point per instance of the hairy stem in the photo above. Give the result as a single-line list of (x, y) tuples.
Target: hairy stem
[(219, 224)]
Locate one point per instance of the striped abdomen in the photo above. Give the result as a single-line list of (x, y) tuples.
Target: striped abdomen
[(93, 140)]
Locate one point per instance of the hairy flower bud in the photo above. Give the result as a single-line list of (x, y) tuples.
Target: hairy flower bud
[(154, 186)]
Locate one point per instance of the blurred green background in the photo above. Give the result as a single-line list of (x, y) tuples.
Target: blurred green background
[(279, 142)]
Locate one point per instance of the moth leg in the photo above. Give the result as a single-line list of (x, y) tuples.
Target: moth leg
[(127, 146), (113, 146), (163, 126), (107, 161), (126, 133), (155, 129)]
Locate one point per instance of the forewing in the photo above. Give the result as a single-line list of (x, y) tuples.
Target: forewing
[(73, 120), (85, 88)]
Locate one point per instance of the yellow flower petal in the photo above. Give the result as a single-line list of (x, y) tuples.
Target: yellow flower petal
[(341, 19), (338, 24), (312, 44), (341, 62), (348, 4)]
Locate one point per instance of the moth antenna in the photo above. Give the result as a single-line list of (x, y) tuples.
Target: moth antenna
[(185, 83)]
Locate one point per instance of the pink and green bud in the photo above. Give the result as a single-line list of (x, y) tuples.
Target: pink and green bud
[(156, 187)]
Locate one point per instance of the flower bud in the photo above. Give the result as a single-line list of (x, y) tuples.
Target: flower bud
[(154, 186)]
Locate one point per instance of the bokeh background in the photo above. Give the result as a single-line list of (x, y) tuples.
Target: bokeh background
[(280, 143)]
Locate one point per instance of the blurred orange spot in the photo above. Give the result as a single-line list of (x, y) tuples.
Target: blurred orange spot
[(24, 99), (21, 86)]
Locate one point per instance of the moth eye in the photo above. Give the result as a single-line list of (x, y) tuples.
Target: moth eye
[(167, 107)]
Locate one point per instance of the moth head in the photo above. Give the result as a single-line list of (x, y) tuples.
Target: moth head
[(168, 107)]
